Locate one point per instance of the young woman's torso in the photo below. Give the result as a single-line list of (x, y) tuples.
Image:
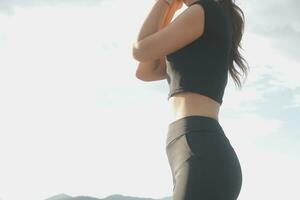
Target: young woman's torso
[(190, 103)]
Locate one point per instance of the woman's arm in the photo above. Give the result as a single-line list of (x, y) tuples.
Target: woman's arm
[(153, 20), (151, 25), (159, 17), (176, 5), (166, 20)]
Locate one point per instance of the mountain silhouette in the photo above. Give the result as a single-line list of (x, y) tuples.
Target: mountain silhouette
[(111, 197), (60, 197)]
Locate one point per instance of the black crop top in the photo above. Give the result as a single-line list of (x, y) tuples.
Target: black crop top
[(202, 65)]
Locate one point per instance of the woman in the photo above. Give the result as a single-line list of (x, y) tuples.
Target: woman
[(194, 53)]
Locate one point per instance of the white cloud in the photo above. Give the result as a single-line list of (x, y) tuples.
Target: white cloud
[(295, 102), (246, 127), (265, 60), (268, 171), (270, 41), (71, 108), (268, 175), (9, 6)]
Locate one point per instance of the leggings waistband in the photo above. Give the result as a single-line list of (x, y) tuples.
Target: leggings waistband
[(192, 123)]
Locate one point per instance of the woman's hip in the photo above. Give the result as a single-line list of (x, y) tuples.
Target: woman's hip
[(192, 123), (201, 138)]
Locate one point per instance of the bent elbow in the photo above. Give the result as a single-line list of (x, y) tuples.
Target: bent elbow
[(138, 53), (135, 55), (139, 76)]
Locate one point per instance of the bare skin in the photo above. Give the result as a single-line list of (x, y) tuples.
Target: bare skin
[(190, 103)]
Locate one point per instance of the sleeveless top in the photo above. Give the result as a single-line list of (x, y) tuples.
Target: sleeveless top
[(202, 65)]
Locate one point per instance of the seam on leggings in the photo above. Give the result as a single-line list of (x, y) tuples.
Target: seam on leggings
[(180, 166), (192, 154), (176, 138)]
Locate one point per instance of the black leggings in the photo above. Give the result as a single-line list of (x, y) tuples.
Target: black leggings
[(204, 165)]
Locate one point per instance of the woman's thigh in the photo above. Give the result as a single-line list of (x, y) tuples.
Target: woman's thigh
[(204, 167)]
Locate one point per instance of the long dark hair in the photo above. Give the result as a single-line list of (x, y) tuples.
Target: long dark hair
[(237, 18)]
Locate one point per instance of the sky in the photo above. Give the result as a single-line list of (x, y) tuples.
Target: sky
[(74, 118)]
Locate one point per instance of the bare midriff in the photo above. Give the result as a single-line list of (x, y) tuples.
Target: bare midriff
[(189, 103)]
